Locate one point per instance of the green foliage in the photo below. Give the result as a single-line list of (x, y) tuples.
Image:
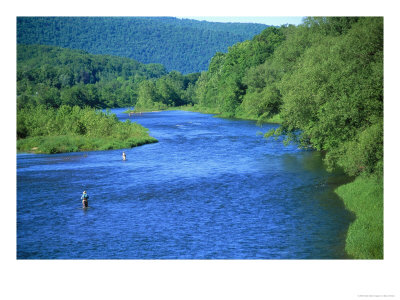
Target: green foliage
[(335, 96), (224, 86), (331, 88), (364, 154), (324, 79), (171, 90), (197, 108), (183, 45), (53, 76), (149, 99), (330, 25), (364, 197), (70, 129)]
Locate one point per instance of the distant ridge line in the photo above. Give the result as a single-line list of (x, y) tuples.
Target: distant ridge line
[(184, 45)]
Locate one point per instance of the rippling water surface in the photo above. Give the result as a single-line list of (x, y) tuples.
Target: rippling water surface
[(210, 189)]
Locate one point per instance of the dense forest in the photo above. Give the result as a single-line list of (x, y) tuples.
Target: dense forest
[(54, 76), (59, 92), (324, 79), (179, 44)]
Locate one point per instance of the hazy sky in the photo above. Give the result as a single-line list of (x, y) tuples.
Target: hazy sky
[(263, 20)]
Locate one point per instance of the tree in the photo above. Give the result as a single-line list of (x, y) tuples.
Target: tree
[(335, 94), (148, 96)]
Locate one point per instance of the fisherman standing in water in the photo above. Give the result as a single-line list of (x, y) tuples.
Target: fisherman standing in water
[(123, 156), (85, 199)]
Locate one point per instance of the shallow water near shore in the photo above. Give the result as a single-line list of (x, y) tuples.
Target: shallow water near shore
[(209, 189)]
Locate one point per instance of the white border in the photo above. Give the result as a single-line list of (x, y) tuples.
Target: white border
[(195, 279)]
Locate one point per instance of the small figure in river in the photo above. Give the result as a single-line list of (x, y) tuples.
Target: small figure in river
[(123, 156), (85, 199)]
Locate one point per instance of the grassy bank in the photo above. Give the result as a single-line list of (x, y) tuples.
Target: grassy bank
[(197, 108), (206, 110), (276, 119), (73, 129), (364, 197), (192, 108), (144, 110), (70, 143)]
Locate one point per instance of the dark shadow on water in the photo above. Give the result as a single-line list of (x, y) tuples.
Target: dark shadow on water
[(322, 185)]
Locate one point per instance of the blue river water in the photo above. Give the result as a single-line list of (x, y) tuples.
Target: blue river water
[(210, 188)]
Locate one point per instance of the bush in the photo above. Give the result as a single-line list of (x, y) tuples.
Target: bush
[(68, 129), (364, 154)]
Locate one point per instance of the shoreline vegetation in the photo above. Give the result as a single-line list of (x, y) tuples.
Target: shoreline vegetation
[(275, 119), (322, 81), (134, 37), (75, 129), (364, 197)]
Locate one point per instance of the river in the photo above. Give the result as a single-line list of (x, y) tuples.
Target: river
[(210, 188)]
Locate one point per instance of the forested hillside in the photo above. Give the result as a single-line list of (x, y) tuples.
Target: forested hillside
[(59, 91), (183, 45), (54, 76), (324, 81), (324, 78)]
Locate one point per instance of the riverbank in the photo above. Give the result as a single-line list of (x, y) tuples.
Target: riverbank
[(185, 185), (74, 129), (364, 197), (184, 108), (70, 143), (276, 119), (206, 110), (134, 112)]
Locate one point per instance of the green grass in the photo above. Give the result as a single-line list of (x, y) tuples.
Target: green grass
[(207, 110), (73, 129), (70, 143), (276, 119), (364, 197), (144, 110), (197, 108)]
